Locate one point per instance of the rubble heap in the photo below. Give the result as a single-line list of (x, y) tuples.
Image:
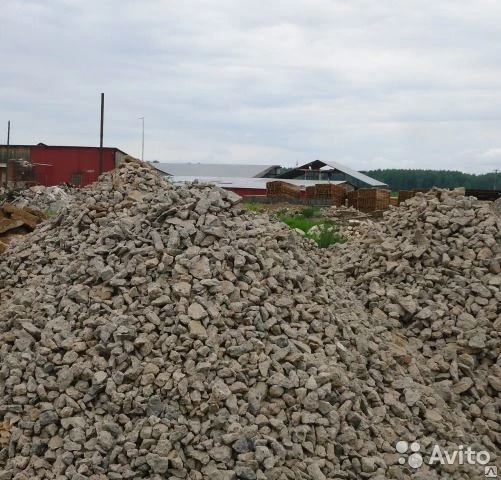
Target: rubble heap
[(50, 199), (431, 271), (342, 212), (353, 224), (153, 331)]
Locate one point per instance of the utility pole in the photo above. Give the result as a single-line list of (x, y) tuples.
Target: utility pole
[(101, 130), (101, 134), (142, 140), (7, 158)]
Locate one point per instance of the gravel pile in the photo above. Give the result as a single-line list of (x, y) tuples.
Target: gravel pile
[(44, 198), (153, 331), (430, 271), (352, 223)]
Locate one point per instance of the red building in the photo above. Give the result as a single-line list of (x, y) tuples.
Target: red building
[(25, 165)]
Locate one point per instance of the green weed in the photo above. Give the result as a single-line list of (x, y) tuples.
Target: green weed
[(310, 212), (328, 234), (252, 206)]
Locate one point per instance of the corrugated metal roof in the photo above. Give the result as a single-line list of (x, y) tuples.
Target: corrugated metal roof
[(220, 171), (43, 145), (214, 169), (348, 171), (235, 182)]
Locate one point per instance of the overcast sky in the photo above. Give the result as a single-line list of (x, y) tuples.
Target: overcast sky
[(373, 84)]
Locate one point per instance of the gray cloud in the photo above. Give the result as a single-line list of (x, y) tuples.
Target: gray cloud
[(376, 84)]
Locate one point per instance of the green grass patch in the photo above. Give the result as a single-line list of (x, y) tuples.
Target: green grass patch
[(328, 235), (310, 212), (298, 221), (252, 206)]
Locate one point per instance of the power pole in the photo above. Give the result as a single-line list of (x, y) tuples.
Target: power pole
[(101, 134), (101, 130), (142, 140), (7, 158)]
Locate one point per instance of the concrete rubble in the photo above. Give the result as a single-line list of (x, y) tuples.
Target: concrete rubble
[(352, 224), (50, 199), (153, 331)]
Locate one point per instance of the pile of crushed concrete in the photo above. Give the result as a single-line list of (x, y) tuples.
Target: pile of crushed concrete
[(49, 199), (352, 224), (433, 266), (24, 209), (342, 212), (154, 331)]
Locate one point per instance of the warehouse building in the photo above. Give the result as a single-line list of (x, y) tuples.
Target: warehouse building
[(333, 171), (250, 180), (26, 165)]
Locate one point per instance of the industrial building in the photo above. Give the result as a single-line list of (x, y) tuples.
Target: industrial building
[(250, 180), (26, 165)]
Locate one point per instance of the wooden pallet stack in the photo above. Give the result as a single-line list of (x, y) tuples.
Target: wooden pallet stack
[(369, 199), (282, 189), (335, 194), (310, 192), (394, 201), (404, 195), (489, 195), (352, 198)]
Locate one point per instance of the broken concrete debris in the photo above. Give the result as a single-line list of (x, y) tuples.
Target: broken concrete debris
[(152, 331)]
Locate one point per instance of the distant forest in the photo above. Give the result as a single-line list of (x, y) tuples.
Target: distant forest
[(405, 179)]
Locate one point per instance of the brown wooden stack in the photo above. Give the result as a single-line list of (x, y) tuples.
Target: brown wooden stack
[(490, 195), (352, 198), (310, 192), (404, 195), (335, 194), (394, 201), (369, 199), (282, 189)]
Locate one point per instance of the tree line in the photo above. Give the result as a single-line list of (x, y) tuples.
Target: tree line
[(407, 179)]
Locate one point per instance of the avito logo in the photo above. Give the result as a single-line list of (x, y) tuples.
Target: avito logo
[(411, 454)]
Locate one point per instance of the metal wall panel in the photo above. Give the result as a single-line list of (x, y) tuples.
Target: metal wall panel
[(76, 165)]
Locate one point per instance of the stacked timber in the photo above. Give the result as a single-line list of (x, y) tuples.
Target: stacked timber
[(310, 192), (404, 195), (335, 194), (485, 195), (282, 189), (352, 198), (369, 199)]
